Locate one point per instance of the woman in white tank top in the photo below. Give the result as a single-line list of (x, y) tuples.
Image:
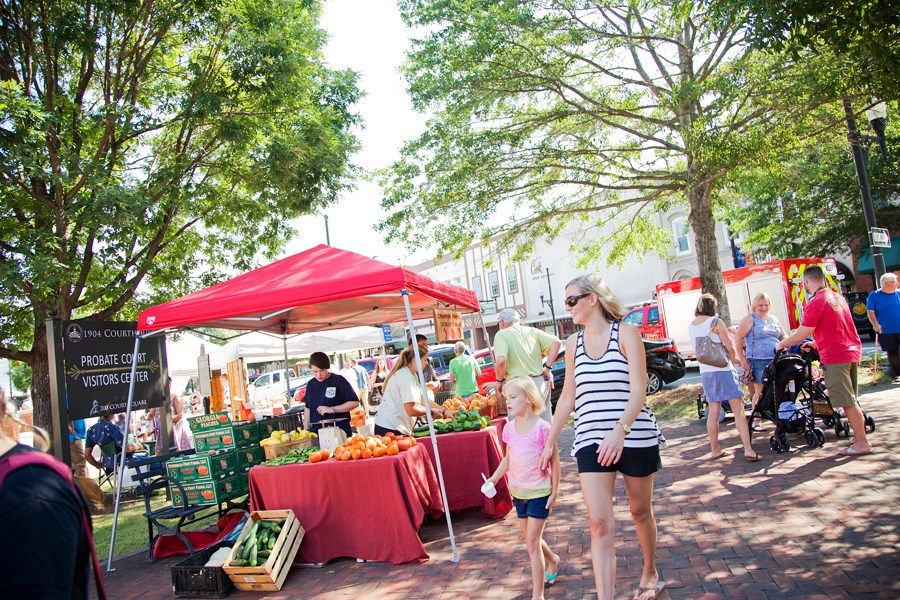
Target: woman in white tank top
[(720, 384), (606, 385)]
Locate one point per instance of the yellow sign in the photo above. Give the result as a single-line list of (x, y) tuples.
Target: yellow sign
[(448, 325)]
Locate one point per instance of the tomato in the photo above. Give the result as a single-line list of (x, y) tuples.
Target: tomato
[(367, 453), (379, 451), (315, 457), (324, 454), (226, 439), (404, 444), (393, 449), (390, 435), (356, 454), (202, 471)]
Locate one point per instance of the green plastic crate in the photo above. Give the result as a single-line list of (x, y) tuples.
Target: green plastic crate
[(221, 464), (246, 434), (215, 439), (247, 457)]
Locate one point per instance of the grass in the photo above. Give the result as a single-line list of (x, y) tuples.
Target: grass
[(675, 403), (131, 531)]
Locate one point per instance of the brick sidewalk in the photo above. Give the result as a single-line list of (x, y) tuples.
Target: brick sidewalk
[(800, 525)]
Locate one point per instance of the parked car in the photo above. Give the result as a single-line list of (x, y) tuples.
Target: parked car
[(440, 360), (269, 387), (645, 318), (369, 363), (298, 389), (664, 365)]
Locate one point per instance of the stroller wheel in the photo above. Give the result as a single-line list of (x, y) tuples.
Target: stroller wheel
[(828, 421), (777, 445), (870, 424), (810, 438), (846, 428), (838, 430), (820, 437)]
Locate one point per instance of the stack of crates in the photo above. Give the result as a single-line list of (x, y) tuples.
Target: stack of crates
[(212, 432), (207, 479), (249, 452)]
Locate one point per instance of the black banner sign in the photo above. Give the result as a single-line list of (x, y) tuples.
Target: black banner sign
[(97, 357)]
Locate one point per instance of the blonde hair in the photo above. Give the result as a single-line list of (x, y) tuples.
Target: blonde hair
[(610, 306), (7, 411), (759, 298), (527, 387)]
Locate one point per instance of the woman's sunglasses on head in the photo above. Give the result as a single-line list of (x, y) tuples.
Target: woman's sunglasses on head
[(571, 301)]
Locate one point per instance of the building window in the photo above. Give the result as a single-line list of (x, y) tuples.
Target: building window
[(681, 232), (476, 287), (512, 280), (494, 284)]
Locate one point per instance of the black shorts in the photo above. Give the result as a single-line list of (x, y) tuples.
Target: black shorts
[(889, 342), (634, 462), (379, 430)]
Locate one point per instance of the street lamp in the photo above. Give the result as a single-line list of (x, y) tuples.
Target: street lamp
[(549, 304), (877, 114)]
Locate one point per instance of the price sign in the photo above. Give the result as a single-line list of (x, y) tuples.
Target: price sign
[(448, 325)]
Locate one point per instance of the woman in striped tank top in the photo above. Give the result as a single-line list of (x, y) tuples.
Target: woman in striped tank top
[(605, 384)]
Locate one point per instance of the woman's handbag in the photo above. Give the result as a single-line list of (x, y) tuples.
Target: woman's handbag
[(710, 352)]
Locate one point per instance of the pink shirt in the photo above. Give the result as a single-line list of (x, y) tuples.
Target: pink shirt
[(526, 480), (836, 338)]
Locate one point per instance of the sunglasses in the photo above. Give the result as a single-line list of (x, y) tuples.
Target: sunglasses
[(571, 301)]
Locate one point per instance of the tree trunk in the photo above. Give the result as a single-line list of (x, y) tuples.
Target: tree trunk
[(40, 378), (703, 223)]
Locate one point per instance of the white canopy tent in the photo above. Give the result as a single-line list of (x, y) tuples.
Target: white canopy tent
[(258, 346)]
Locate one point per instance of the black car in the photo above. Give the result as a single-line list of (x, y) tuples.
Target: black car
[(857, 302), (664, 365)]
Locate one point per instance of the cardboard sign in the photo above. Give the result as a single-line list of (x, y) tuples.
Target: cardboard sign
[(97, 358), (448, 325)]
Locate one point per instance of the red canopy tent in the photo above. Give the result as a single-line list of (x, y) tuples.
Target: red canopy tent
[(321, 288), (318, 289)]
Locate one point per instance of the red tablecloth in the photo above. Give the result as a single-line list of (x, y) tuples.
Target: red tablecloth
[(464, 457), (370, 509)]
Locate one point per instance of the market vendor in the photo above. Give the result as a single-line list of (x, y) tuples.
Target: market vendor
[(328, 396), (402, 400)]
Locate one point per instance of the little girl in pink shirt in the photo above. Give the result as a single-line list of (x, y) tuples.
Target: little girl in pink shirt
[(533, 490)]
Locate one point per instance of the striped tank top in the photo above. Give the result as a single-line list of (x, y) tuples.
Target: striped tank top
[(602, 390)]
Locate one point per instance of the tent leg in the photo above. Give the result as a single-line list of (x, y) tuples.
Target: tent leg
[(454, 554), (121, 473), (287, 371)]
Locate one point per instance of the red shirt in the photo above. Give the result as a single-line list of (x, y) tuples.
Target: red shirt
[(833, 330)]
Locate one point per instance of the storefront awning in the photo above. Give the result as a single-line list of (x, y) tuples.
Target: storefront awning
[(891, 258)]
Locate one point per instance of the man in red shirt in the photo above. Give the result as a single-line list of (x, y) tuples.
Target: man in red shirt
[(827, 317)]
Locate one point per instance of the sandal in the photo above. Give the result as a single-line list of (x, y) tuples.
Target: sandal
[(719, 455), (755, 457), (550, 578), (656, 589), (854, 451)]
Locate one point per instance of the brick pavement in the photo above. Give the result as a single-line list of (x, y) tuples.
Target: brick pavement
[(800, 525)]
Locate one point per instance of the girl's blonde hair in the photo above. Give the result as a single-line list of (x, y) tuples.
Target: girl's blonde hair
[(759, 298), (610, 306), (527, 387), (7, 411)]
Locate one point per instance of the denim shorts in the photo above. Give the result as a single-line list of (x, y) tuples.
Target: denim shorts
[(535, 508), (757, 365)]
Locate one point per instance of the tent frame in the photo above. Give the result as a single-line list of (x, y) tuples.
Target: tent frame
[(404, 293)]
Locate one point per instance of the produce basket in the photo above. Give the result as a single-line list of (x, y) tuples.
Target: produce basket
[(270, 575), (191, 579), (276, 450)]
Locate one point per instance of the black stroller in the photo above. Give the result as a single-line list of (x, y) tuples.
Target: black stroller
[(786, 403), (814, 386)]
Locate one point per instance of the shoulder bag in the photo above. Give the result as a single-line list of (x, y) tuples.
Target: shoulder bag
[(710, 352)]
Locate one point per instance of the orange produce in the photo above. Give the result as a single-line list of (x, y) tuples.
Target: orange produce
[(315, 457), (403, 444), (367, 453), (356, 454), (379, 451), (393, 449), (325, 454)]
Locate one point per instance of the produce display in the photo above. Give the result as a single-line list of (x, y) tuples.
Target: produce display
[(357, 417), (256, 546), (362, 447), (297, 456), (285, 437), (465, 420), (476, 402)]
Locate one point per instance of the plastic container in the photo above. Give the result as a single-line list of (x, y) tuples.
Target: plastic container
[(489, 489), (191, 579)]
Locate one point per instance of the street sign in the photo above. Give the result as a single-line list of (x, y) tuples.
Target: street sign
[(879, 238), (97, 358), (388, 337)]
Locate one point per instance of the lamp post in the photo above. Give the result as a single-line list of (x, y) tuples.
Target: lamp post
[(327, 236), (549, 304), (859, 160)]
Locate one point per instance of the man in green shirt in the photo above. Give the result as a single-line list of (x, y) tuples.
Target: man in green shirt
[(519, 352), (464, 371)]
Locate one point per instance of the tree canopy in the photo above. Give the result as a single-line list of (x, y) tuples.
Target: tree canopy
[(599, 114), (147, 146)]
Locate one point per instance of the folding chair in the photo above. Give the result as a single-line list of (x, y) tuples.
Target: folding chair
[(108, 449)]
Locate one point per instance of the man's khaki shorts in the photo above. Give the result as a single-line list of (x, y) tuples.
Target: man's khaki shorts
[(841, 379)]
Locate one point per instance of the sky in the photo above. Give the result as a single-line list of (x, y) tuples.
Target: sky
[(370, 38)]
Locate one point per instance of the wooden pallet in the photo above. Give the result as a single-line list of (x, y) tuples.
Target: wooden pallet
[(270, 576)]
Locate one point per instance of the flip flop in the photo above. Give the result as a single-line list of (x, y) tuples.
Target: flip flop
[(854, 451), (754, 458), (721, 454), (657, 589), (550, 578)]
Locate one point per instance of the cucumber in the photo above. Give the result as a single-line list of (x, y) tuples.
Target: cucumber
[(263, 554), (238, 562), (271, 543), (253, 557), (276, 527), (264, 524)]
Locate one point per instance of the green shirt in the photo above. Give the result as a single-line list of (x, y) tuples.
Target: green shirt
[(464, 369), (522, 348)]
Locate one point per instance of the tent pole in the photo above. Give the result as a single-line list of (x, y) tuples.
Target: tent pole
[(454, 555), (121, 474), (287, 371), (487, 340)]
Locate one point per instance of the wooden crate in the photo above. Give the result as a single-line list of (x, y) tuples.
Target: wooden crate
[(270, 576), (276, 450)]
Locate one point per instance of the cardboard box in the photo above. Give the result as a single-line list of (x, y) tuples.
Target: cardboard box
[(247, 457), (270, 575), (211, 421), (265, 427), (246, 434), (206, 492), (215, 439), (203, 467)]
